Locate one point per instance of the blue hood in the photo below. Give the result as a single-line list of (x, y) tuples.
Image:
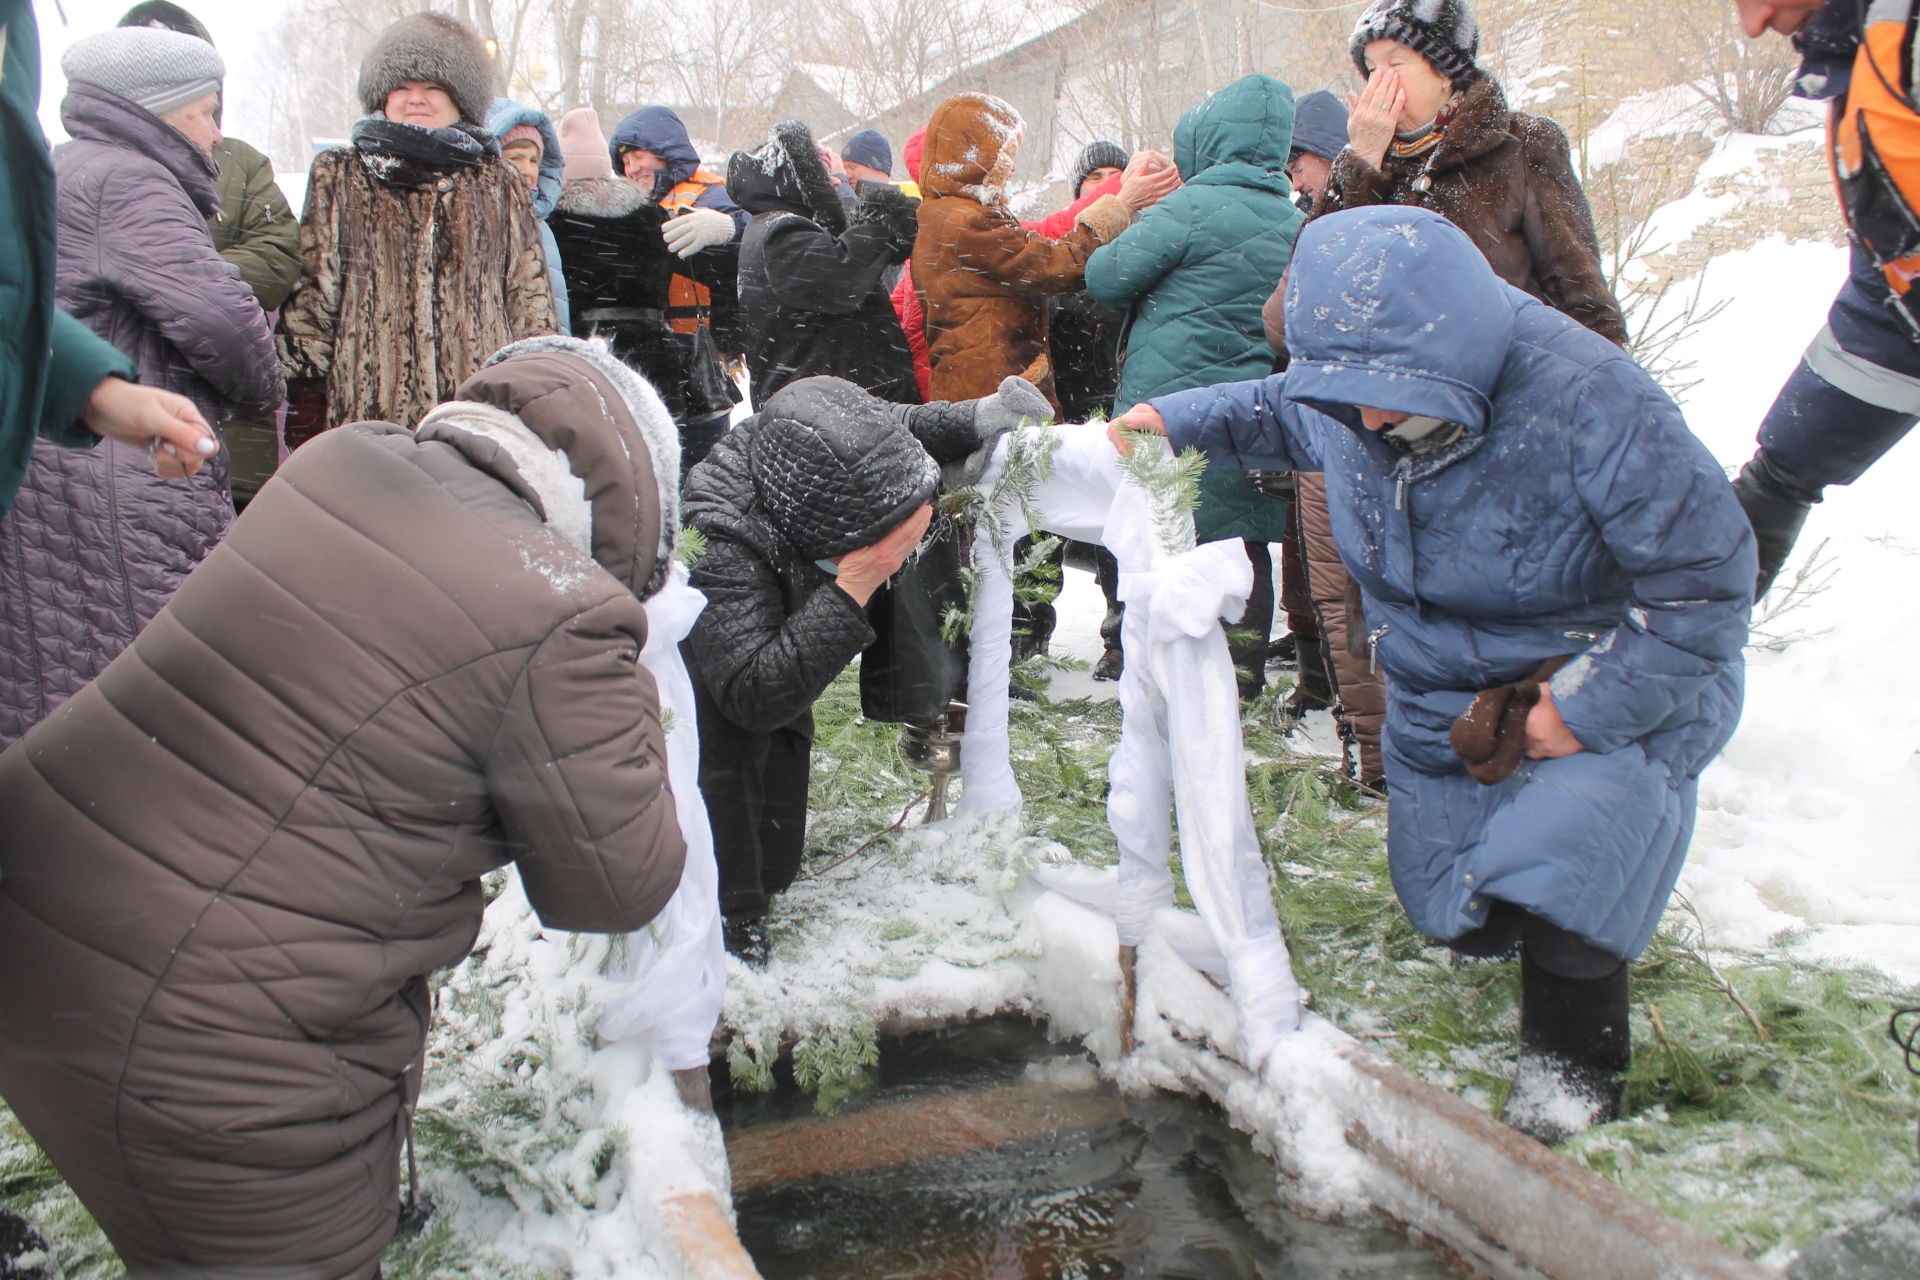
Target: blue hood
[(507, 114), (1319, 125), (1392, 307), (657, 129)]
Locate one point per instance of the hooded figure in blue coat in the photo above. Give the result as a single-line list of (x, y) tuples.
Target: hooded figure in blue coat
[(1557, 580), (508, 117)]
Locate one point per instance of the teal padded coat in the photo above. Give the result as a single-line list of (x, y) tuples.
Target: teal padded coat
[(1196, 268), (49, 362)]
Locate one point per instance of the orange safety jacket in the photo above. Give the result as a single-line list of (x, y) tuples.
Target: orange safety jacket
[(1873, 136), (687, 299)]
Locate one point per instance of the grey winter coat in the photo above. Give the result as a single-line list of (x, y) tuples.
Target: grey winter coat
[(97, 542), (229, 865)]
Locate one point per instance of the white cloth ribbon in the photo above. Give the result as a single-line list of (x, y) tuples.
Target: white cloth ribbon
[(1180, 750), (676, 979)]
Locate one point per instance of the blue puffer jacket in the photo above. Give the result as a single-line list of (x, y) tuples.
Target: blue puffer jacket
[(1573, 514), (507, 114)]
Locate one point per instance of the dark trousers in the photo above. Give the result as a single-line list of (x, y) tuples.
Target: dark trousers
[(1247, 639), (1296, 599), (755, 786), (1510, 929), (696, 438)]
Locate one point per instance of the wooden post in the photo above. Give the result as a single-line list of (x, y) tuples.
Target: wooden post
[(1129, 997)]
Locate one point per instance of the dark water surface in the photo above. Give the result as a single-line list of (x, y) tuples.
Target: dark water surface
[(1038, 1170)]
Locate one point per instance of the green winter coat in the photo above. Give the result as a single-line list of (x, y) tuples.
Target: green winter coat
[(258, 233), (255, 231), (1196, 268), (49, 362)]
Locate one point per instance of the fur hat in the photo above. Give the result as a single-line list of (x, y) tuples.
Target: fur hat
[(152, 66), (434, 48), (1443, 32), (584, 145), (870, 148), (1099, 154)]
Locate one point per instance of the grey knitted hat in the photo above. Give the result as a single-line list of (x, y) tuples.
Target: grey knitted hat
[(434, 48), (157, 69)]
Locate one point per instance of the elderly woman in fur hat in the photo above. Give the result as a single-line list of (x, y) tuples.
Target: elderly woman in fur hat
[(364, 337)]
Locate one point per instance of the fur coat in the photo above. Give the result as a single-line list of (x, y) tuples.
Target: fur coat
[(983, 279), (388, 332), (1506, 179)]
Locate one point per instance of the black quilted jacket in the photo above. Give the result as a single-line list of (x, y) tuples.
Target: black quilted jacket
[(814, 289), (822, 469)]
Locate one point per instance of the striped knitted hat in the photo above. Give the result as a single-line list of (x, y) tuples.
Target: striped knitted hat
[(157, 69)]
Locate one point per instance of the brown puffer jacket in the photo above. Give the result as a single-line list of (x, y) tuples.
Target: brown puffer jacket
[(982, 278), (1343, 631), (1506, 179), (230, 863), (408, 281)]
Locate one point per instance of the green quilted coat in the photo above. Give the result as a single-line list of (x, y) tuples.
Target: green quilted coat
[(1196, 268)]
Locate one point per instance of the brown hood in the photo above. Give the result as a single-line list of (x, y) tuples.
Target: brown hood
[(608, 427), (971, 144)]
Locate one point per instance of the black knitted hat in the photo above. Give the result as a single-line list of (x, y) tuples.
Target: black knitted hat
[(1099, 154), (1444, 32)]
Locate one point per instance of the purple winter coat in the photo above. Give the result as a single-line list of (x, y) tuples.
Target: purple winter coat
[(96, 542)]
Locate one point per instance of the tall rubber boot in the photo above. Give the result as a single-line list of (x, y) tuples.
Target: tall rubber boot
[(1574, 1047), (1776, 502)]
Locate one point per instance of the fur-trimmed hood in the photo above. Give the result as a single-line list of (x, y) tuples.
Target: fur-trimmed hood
[(584, 441), (661, 131), (507, 114), (602, 197), (433, 47), (971, 144), (785, 174)]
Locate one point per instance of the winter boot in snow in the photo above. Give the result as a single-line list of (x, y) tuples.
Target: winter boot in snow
[(1312, 687), (1776, 502), (1574, 1047), (1285, 651), (23, 1251), (746, 938)]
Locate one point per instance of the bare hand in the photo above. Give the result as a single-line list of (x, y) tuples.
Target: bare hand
[(166, 425), (1374, 114), (863, 569), (1142, 417), (1548, 737), (1147, 179)]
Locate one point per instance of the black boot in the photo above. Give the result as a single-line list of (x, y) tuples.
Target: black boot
[(746, 937), (1574, 1047), (23, 1251), (1312, 686), (1776, 502)]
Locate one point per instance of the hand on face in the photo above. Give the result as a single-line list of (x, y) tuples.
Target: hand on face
[(863, 569), (1373, 114)]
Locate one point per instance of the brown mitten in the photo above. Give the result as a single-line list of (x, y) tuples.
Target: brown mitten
[(1491, 734)]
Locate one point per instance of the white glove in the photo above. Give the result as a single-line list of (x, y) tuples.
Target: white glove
[(697, 229)]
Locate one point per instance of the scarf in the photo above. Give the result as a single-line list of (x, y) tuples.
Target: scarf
[(393, 152), (1419, 141)]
